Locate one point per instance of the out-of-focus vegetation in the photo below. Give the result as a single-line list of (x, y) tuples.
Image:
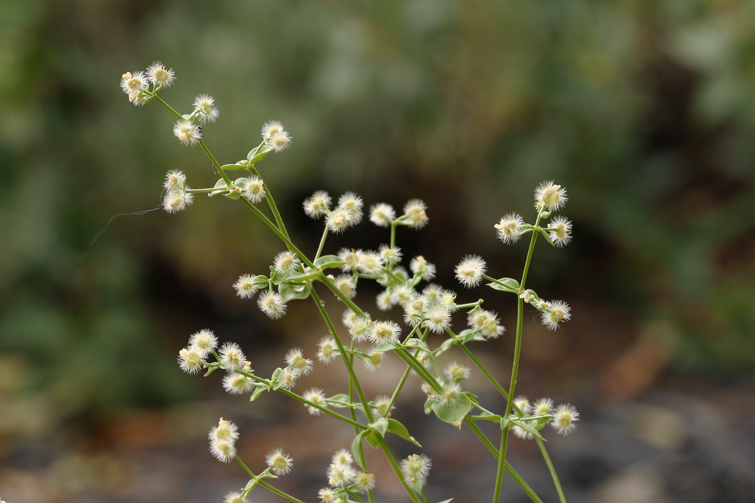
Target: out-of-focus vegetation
[(645, 111)]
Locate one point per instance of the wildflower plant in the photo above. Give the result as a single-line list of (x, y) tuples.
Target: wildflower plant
[(426, 308)]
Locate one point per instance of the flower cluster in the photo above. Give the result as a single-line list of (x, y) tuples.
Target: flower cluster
[(142, 86), (529, 418), (192, 358), (177, 193), (223, 440), (344, 478)]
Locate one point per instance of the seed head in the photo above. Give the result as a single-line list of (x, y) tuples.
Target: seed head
[(315, 395), (564, 419), (470, 270), (245, 286), (317, 205), (555, 312), (415, 212), (159, 76), (510, 229), (327, 349), (561, 233), (231, 356), (415, 468), (203, 342), (187, 132), (550, 196), (280, 463), (205, 108), (382, 214), (271, 304)]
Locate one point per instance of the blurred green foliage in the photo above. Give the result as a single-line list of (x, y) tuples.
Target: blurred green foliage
[(644, 110)]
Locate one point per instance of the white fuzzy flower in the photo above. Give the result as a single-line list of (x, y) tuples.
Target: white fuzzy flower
[(509, 229), (187, 132), (280, 463), (382, 214), (159, 75), (205, 108), (550, 196), (470, 270)]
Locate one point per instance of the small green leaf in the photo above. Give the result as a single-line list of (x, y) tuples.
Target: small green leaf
[(447, 501), (505, 285), (356, 450), (527, 427), (257, 158), (232, 167), (261, 282), (487, 417), (429, 405), (221, 187), (454, 412), (257, 392), (339, 401), (372, 439), (399, 429), (328, 261), (416, 485), (381, 426), (294, 291), (444, 347), (275, 379), (417, 343)]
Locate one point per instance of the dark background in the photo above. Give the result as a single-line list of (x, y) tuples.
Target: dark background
[(643, 110)]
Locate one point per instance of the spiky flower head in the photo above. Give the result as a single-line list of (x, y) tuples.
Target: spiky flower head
[(486, 322), (135, 85), (342, 457), (510, 228), (316, 396), (374, 360), (287, 378), (345, 283), (438, 319), (352, 204), (352, 258), (225, 430), (543, 407), (203, 341), (280, 141), (327, 349), (236, 384), (187, 132), (450, 393), (523, 405), (415, 468), (159, 75), (382, 214), (204, 107), (286, 263), (416, 214), (224, 450), (360, 328), (365, 481), (456, 372), (234, 497), (390, 254), (550, 196), (564, 418), (280, 462), (317, 205), (340, 475), (326, 495), (245, 287), (270, 128), (175, 180), (420, 266), (403, 294), (177, 200), (297, 363), (231, 356), (338, 220), (383, 406), (370, 263), (556, 311), (384, 300), (272, 304), (384, 332), (254, 189), (190, 360), (470, 270), (561, 233)]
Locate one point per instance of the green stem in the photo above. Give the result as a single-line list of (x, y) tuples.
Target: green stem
[(344, 356), (487, 374), (501, 465), (271, 203), (279, 492), (394, 464), (551, 469), (322, 243), (215, 163), (491, 448), (518, 341)]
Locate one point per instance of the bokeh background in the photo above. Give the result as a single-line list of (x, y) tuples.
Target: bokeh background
[(643, 110)]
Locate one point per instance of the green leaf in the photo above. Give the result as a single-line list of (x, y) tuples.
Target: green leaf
[(294, 291), (372, 439), (232, 167), (399, 429), (221, 187), (447, 501), (527, 427), (429, 405), (261, 282), (275, 379), (259, 155), (444, 347), (328, 261), (381, 426), (339, 401), (454, 412), (257, 392), (416, 485), (356, 450), (487, 417), (505, 285), (417, 343)]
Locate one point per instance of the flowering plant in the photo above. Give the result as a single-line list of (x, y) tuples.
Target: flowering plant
[(294, 276)]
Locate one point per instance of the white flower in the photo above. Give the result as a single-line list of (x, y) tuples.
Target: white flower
[(205, 108), (555, 312), (297, 363), (317, 205), (136, 82), (245, 286), (382, 214), (285, 263), (561, 233), (203, 341), (327, 349), (280, 463), (254, 189), (187, 132), (510, 228), (419, 265), (470, 270), (177, 200), (190, 360), (159, 76), (550, 196), (316, 396), (415, 212), (271, 304), (416, 468), (231, 356), (383, 332), (438, 319), (564, 419), (175, 180), (236, 384), (270, 128), (280, 141)]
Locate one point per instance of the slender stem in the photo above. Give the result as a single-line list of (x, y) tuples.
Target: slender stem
[(418, 368), (322, 243), (158, 98), (501, 464), (518, 342), (357, 426), (491, 448), (397, 469), (487, 374), (344, 356), (215, 163), (279, 492), (551, 469), (271, 203)]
